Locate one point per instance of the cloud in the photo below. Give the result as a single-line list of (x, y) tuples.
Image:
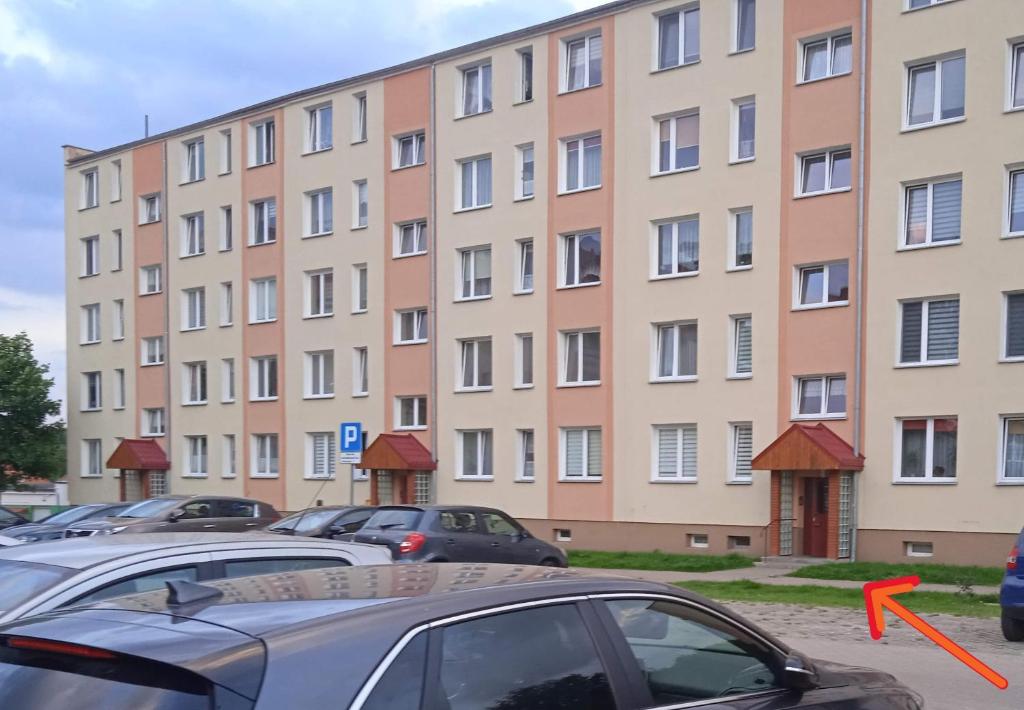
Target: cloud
[(42, 317), (21, 40)]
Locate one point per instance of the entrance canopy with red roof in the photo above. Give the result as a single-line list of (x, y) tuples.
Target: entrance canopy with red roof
[(807, 447), (398, 452), (139, 455)]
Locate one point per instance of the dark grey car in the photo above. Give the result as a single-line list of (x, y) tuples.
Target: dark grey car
[(53, 527), (182, 514), (330, 522), (456, 533), (420, 637)]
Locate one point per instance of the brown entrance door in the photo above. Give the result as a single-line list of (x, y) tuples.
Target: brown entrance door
[(816, 517)]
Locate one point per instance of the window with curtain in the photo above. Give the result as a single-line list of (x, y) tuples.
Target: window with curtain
[(676, 449), (828, 56), (583, 62), (1014, 337), (320, 454), (1013, 448), (412, 238), (745, 115), (743, 238), (197, 455), (475, 273), (476, 458), (581, 259), (820, 397), (746, 17), (193, 235), (524, 185), (678, 37), (525, 284), (92, 389), (195, 383), (194, 307), (581, 454), (582, 163), (361, 195), (319, 128), (527, 464), (319, 293), (676, 357), (263, 374), (475, 183), (679, 142), (742, 450), (228, 457), (320, 212), (263, 300), (1015, 218), (677, 247), (476, 89), (90, 256), (935, 91), (581, 357), (412, 412), (927, 448), (261, 145), (264, 222), (742, 364), (476, 368), (930, 331), (933, 212), (90, 323), (266, 460)]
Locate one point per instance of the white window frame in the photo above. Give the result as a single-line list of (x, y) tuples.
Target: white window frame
[(938, 64), (229, 456), (419, 149), (521, 361), (798, 280), (260, 380), (88, 379), (735, 321), (360, 204), (90, 256), (91, 326), (681, 11), (1012, 171), (197, 450), (120, 389), (416, 424), (676, 327), (484, 99), (830, 155), (525, 79), (263, 297), (261, 465), (418, 229), (227, 231), (154, 415), (522, 246), (735, 46), (359, 114), (564, 256), (153, 345), (929, 186), (925, 327), (826, 388), (673, 139), (734, 140), (1004, 329), (420, 324), (522, 436), (92, 463), (318, 215), (563, 474), (360, 371), (565, 49), (193, 309), (118, 248), (525, 189), (193, 235), (90, 195), (267, 235), (116, 181), (227, 304), (1015, 47), (310, 469), (467, 265), (262, 138), (149, 208), (459, 197), (930, 3), (225, 152), (468, 356), (316, 117), (563, 361), (319, 288), (929, 458), (193, 160), (830, 40), (227, 380), (322, 387), (484, 438), (118, 321), (360, 288), (1004, 424), (734, 215), (734, 453), (656, 254), (580, 160), (680, 475)]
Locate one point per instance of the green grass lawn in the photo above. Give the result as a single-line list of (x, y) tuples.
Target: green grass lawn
[(979, 605), (657, 560), (930, 573)]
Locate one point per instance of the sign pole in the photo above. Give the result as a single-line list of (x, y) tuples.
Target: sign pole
[(352, 484)]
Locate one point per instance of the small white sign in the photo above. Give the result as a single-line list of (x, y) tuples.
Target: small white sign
[(355, 457)]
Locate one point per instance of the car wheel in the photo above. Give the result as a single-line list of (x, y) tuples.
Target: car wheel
[(1013, 629), (549, 562)]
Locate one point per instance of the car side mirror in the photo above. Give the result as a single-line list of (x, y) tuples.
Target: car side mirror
[(336, 529), (175, 515), (798, 675)]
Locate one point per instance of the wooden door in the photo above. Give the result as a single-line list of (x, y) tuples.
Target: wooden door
[(816, 517)]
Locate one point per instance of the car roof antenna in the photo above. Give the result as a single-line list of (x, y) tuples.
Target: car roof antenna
[(181, 592)]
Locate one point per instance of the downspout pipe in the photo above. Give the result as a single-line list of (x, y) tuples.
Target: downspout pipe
[(432, 266), (165, 209)]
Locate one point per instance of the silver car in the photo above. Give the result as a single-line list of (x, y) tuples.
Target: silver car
[(51, 575)]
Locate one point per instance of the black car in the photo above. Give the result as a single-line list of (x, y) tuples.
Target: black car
[(327, 521), (8, 518), (431, 637), (456, 533), (52, 527)]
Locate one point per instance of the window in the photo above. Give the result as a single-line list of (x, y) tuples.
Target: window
[(475, 183), (746, 19), (1011, 465), (319, 128), (1016, 94), (320, 454), (229, 455), (92, 457), (264, 222), (411, 326), (935, 91), (677, 143), (820, 397), (115, 181), (118, 248), (263, 300), (675, 453), (360, 372), (524, 270), (1013, 339), (475, 364), (261, 142), (676, 353), (90, 256), (825, 172), (1015, 203), (90, 188), (476, 89), (411, 238), (361, 206), (741, 362), (149, 209), (582, 163), (227, 303), (525, 171), (359, 119), (699, 540), (194, 165), (225, 151), (915, 4), (828, 56), (227, 240), (193, 235), (475, 454), (930, 331), (823, 285), (118, 320), (525, 88), (926, 449), (475, 273), (677, 247), (153, 422), (266, 462), (193, 307), (742, 450), (583, 62), (194, 383), (677, 47), (581, 259), (92, 391), (319, 293), (411, 412), (524, 360), (227, 380), (741, 242), (410, 150), (196, 463), (263, 378), (581, 457), (360, 286), (744, 112), (90, 323), (120, 389), (526, 460), (320, 374), (581, 358), (932, 213), (319, 212), (153, 350)]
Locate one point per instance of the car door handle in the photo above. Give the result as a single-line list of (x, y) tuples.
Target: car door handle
[(495, 544), (211, 525), (450, 541), (250, 525)]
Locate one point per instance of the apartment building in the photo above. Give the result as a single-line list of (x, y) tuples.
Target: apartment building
[(704, 276)]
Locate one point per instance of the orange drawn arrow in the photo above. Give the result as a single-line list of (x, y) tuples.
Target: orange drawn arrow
[(878, 595)]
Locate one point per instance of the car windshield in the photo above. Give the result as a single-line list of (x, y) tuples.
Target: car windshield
[(149, 508), (305, 522), (394, 519), (20, 581), (71, 515)]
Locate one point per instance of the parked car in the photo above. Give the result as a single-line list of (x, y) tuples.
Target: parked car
[(1011, 593), (456, 533), (328, 521), (176, 513), (50, 575), (439, 636), (9, 541), (8, 518), (53, 526)]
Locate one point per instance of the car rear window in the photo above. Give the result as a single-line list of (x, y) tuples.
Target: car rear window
[(20, 581), (394, 519)]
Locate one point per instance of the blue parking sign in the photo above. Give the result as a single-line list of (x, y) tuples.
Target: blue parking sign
[(350, 440)]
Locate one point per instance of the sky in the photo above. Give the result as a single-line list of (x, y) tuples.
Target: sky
[(86, 72)]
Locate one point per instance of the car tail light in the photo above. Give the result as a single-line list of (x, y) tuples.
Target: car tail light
[(411, 543), (66, 649), (1011, 561)]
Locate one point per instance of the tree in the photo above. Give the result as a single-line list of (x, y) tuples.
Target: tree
[(32, 441)]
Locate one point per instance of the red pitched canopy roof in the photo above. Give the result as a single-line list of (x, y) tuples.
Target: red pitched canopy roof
[(398, 452), (139, 454), (807, 447)]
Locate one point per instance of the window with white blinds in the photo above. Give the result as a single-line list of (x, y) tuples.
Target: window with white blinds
[(1014, 338), (742, 450), (930, 331), (581, 455), (933, 213), (742, 357), (320, 454), (675, 450)]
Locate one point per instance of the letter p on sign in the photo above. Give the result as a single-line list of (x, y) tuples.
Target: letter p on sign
[(351, 442)]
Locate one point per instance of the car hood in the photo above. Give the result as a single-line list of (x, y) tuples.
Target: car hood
[(106, 523), (870, 680), (34, 529)]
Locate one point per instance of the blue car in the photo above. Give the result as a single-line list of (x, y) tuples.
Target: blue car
[(1011, 594)]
